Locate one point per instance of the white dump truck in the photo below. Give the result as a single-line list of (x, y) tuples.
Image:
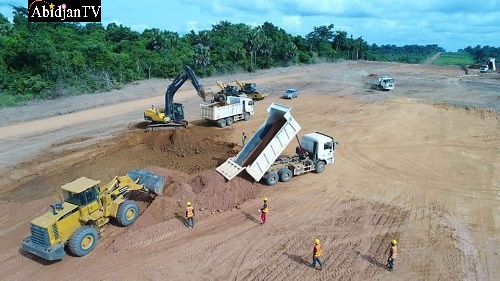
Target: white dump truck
[(235, 109), (375, 81), (261, 156)]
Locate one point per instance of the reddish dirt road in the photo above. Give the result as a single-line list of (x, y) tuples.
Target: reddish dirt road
[(424, 173)]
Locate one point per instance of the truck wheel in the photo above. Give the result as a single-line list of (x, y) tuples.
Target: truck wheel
[(320, 167), (285, 174), (83, 241), (221, 123), (247, 116), (128, 212), (272, 178), (229, 121)]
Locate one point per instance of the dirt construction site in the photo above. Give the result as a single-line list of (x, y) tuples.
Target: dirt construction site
[(419, 163)]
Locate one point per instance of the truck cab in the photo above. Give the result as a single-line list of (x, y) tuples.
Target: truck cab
[(320, 147), (386, 83), (483, 68)]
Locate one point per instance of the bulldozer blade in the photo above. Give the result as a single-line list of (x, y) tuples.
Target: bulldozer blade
[(151, 181)]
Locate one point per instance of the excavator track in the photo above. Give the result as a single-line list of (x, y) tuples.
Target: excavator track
[(167, 126)]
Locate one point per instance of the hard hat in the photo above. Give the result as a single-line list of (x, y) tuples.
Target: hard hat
[(188, 203), (316, 241), (394, 241), (265, 198)]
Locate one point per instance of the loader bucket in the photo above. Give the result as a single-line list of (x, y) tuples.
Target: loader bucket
[(151, 181)]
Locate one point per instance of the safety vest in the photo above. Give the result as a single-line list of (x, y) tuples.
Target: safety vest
[(394, 251), (265, 209), (317, 251), (190, 212)]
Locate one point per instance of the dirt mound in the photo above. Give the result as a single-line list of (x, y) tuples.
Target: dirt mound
[(208, 190)]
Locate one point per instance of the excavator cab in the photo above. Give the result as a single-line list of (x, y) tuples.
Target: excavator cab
[(178, 112)]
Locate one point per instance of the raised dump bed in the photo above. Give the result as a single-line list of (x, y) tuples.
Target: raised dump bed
[(265, 146)]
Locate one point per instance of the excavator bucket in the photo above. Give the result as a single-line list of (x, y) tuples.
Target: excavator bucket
[(151, 181)]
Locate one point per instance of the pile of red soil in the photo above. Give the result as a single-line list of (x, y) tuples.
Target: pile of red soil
[(208, 191)]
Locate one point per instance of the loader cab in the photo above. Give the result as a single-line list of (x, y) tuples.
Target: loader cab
[(250, 87), (83, 192), (319, 147)]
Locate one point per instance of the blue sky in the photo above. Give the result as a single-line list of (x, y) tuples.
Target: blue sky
[(452, 24)]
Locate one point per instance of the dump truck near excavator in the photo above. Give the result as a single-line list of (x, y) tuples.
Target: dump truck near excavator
[(261, 156), (77, 222)]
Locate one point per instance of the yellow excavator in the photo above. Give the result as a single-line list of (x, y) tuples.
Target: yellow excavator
[(172, 116), (77, 221), (250, 89)]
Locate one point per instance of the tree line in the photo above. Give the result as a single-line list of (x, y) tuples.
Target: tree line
[(50, 60), (481, 54)]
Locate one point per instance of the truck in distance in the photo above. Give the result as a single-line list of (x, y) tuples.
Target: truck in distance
[(234, 109)]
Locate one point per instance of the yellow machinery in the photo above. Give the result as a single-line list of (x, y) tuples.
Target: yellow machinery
[(172, 115), (226, 90), (250, 89), (79, 220)]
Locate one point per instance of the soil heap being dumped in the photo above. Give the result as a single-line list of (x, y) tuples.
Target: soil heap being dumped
[(208, 191)]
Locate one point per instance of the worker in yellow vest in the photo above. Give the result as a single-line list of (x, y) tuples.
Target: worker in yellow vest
[(263, 212), (317, 252), (393, 252), (189, 215)]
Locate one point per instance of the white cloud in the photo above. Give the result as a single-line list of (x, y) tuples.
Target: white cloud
[(139, 27), (292, 22)]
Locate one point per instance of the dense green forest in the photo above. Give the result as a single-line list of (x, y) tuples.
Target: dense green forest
[(481, 54), (50, 60)]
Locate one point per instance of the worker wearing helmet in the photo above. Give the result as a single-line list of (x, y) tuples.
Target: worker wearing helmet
[(393, 251), (189, 215), (263, 212), (317, 252)]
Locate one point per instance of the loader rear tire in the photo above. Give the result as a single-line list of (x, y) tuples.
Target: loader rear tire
[(272, 178), (285, 174), (83, 241), (128, 211)]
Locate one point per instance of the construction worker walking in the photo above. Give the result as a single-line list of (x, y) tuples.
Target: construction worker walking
[(317, 252), (263, 212), (189, 215), (392, 253), (243, 139)]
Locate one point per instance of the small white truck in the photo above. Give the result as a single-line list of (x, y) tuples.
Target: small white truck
[(261, 158), (235, 109), (384, 83)]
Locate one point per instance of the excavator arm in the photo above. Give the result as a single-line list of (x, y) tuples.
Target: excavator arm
[(177, 83)]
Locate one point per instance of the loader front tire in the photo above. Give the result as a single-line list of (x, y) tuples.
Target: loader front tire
[(128, 211), (83, 241)]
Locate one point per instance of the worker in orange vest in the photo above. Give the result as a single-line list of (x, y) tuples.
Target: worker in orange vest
[(263, 212), (317, 252), (189, 215), (392, 253)]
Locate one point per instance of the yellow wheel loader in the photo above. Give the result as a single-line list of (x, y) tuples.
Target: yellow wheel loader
[(250, 89), (77, 222)]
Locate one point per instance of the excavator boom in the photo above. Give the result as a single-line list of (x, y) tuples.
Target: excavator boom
[(173, 114)]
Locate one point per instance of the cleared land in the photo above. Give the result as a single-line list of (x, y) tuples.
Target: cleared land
[(420, 163)]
